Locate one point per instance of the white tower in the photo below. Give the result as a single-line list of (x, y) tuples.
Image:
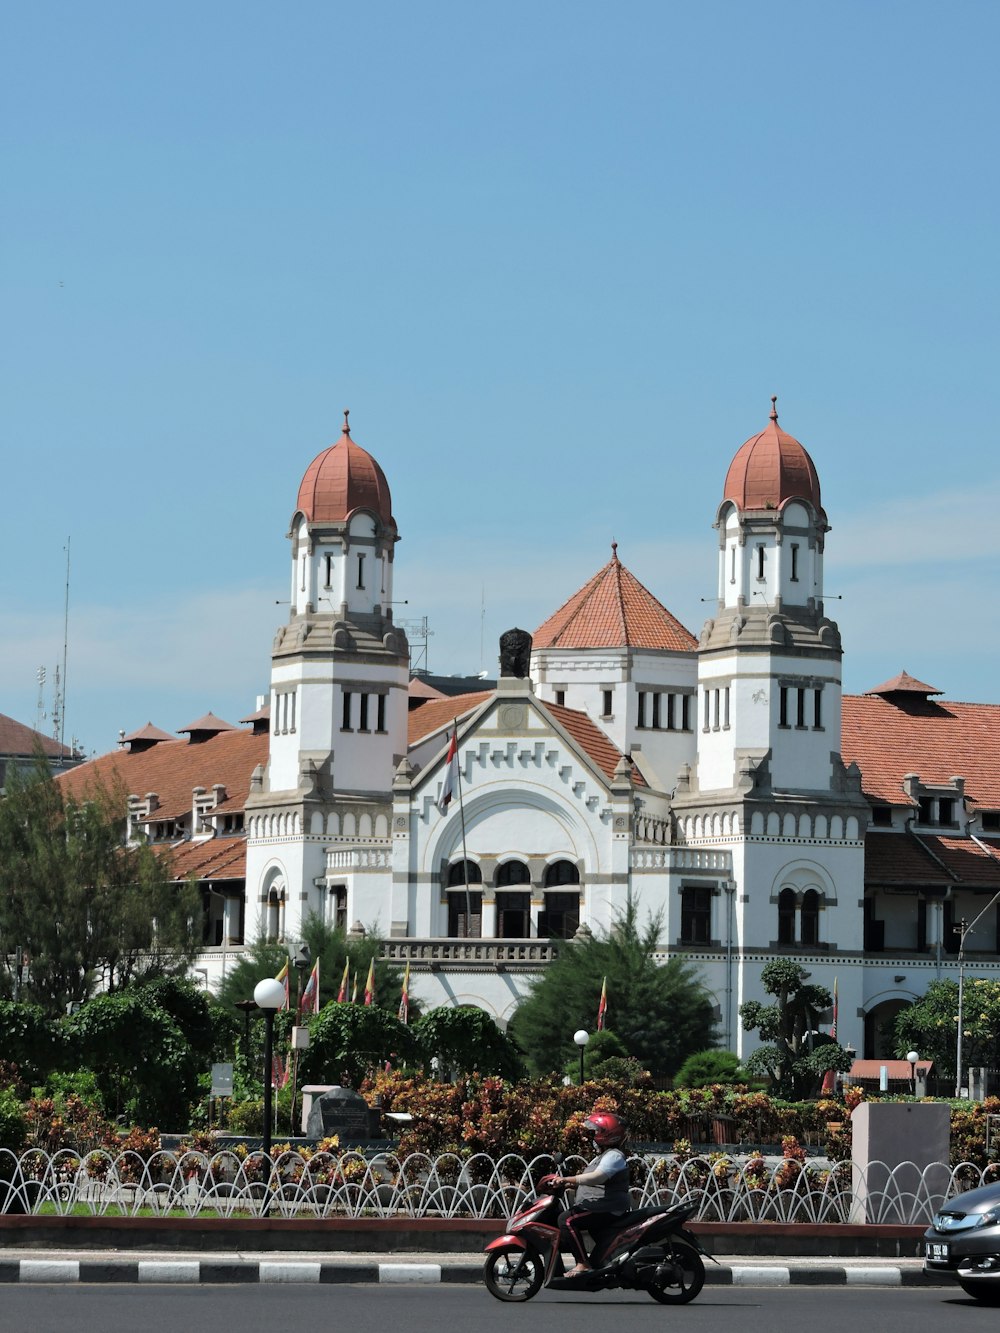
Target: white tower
[(339, 676)]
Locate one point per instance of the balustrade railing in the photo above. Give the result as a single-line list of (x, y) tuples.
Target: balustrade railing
[(233, 1183)]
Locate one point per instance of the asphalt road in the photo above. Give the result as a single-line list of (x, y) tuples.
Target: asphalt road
[(421, 1309)]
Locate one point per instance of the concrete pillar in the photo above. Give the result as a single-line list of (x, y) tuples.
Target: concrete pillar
[(899, 1161)]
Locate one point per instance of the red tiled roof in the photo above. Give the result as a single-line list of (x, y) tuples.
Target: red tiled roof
[(17, 739), (904, 683), (149, 733), (426, 719), (771, 468), (592, 740), (613, 610), (896, 1070), (173, 768), (208, 723), (212, 858), (419, 689), (936, 740), (341, 480), (899, 859)]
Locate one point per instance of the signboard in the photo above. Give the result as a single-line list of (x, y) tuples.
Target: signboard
[(222, 1081)]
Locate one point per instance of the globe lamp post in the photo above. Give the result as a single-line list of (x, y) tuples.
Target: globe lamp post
[(913, 1057), (269, 995), (581, 1037)]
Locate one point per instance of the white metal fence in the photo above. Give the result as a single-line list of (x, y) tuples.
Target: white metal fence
[(323, 1185)]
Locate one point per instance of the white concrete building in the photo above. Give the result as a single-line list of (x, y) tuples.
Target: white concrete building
[(722, 781)]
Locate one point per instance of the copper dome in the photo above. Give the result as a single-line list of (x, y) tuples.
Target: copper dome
[(771, 468), (342, 480)]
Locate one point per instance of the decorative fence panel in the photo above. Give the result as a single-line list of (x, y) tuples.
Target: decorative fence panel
[(235, 1184)]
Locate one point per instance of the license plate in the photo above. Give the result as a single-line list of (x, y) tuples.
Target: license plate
[(936, 1251)]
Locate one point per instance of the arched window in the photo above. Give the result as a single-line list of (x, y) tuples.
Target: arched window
[(560, 873), (786, 916), (810, 917), (512, 872), (464, 872)]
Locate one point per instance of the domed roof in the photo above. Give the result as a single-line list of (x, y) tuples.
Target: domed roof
[(771, 468), (341, 480)]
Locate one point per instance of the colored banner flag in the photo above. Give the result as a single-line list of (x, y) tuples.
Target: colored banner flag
[(404, 999), (342, 993), (354, 990), (450, 775), (309, 1004), (283, 978), (602, 1008), (833, 1029), (370, 984), (279, 1072), (830, 1077)]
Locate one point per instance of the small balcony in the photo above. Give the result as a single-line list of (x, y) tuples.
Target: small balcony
[(470, 955)]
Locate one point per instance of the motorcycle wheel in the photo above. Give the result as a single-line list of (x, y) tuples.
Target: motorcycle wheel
[(513, 1274), (686, 1279), (986, 1292)]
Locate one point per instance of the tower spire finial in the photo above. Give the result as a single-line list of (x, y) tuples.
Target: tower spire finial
[(614, 550), (774, 407), (347, 424)]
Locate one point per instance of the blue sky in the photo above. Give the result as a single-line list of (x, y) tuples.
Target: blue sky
[(555, 258)]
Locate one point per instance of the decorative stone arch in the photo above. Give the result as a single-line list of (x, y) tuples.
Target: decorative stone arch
[(273, 900), (788, 826), (350, 825), (801, 875), (805, 826), (880, 1013), (836, 828), (381, 826), (822, 827), (851, 828), (773, 824), (365, 825), (316, 823), (333, 825), (734, 828), (757, 824)]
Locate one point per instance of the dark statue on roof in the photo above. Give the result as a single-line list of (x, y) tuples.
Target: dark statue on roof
[(515, 653)]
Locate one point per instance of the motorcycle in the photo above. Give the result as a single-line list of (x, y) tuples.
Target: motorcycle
[(647, 1249)]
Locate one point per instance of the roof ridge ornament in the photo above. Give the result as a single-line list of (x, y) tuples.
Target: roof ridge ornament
[(774, 408), (614, 551), (347, 425)]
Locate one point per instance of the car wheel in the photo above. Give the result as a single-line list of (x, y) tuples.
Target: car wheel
[(513, 1274), (987, 1292)]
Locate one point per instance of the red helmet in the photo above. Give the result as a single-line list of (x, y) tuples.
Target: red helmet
[(607, 1128)]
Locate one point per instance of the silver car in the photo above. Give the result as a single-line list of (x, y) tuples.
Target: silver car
[(963, 1242)]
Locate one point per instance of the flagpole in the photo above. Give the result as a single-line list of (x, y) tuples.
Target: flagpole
[(465, 855)]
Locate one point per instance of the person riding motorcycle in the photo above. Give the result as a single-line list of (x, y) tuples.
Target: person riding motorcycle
[(602, 1188)]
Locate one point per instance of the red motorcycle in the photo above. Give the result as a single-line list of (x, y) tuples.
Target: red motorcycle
[(647, 1249)]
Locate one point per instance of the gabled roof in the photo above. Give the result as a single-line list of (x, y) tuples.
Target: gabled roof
[(929, 861), (173, 768), (429, 717), (890, 737), (613, 610), (210, 858), (17, 739)]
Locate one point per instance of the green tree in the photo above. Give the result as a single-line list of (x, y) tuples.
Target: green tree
[(145, 1068), (796, 1055), (930, 1026), (465, 1040), (88, 909), (660, 1012), (346, 1041), (29, 1040), (706, 1069)]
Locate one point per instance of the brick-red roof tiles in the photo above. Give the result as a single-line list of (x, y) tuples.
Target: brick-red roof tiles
[(151, 734), (904, 683), (341, 480), (208, 723), (613, 610), (17, 739), (173, 768), (592, 740), (771, 468), (211, 859), (929, 861), (426, 719), (936, 740)]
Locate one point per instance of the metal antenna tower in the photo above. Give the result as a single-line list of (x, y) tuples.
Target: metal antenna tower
[(417, 633), (40, 706)]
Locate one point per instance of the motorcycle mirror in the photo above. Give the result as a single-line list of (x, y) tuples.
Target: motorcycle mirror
[(557, 1158)]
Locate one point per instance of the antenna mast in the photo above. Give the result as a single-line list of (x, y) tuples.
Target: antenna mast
[(62, 710), (40, 706)]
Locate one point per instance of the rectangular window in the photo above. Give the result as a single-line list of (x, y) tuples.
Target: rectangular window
[(338, 906), (561, 698), (465, 914), (732, 564), (795, 562), (670, 711), (818, 708), (696, 914), (991, 821), (656, 711), (685, 712), (606, 698), (329, 569), (363, 713), (926, 810), (800, 707), (715, 710), (346, 720), (783, 706), (705, 714), (946, 810), (641, 717), (760, 562), (725, 708), (380, 713), (361, 571), (560, 917), (882, 816)]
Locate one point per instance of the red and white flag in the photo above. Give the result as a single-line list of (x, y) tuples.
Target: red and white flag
[(309, 1004), (602, 1008), (450, 775), (342, 993), (404, 999), (370, 984)]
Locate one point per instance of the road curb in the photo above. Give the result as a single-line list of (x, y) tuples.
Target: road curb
[(223, 1271)]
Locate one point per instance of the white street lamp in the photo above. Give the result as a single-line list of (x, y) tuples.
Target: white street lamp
[(269, 996), (913, 1057), (581, 1037)]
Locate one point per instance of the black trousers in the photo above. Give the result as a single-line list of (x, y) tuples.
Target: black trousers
[(575, 1222)]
